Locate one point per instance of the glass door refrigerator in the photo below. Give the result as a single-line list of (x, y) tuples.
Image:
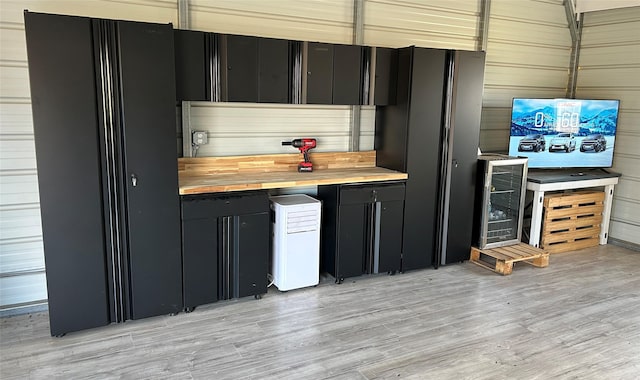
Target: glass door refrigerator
[(499, 203)]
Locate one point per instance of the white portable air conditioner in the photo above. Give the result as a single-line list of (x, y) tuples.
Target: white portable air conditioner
[(296, 241)]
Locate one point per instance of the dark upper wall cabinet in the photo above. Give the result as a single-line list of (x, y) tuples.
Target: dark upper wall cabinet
[(386, 76), (255, 69), (240, 73), (274, 70), (193, 72), (334, 74)]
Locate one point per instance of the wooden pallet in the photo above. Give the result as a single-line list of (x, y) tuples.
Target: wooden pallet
[(501, 259), (572, 221)]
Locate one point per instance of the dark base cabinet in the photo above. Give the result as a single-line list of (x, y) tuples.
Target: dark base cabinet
[(225, 246), (362, 228)]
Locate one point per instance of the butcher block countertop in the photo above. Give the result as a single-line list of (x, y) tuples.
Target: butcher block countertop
[(221, 174)]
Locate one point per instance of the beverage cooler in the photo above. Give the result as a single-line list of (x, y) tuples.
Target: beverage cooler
[(499, 200)]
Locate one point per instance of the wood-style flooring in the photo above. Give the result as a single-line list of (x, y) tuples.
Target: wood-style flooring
[(579, 318)]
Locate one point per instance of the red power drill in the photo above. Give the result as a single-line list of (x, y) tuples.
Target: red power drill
[(304, 145)]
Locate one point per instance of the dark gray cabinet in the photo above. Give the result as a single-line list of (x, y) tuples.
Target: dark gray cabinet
[(225, 246), (111, 252), (334, 74), (434, 138), (362, 228), (218, 67), (386, 76), (255, 69), (194, 69)]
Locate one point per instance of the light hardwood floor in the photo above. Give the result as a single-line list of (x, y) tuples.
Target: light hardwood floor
[(577, 319)]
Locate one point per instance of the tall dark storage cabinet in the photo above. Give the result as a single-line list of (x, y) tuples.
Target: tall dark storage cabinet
[(103, 99), (432, 133)]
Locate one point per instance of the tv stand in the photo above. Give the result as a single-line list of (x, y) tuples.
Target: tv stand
[(541, 181)]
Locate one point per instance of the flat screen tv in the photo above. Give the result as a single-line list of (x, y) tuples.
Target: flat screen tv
[(564, 133)]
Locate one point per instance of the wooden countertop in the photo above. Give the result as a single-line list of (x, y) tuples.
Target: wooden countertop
[(213, 175), (255, 181)]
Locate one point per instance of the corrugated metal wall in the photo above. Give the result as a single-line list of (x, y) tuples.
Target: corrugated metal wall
[(442, 24), (609, 68), (528, 55), (22, 277)]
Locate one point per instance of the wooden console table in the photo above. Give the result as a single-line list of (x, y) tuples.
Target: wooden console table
[(556, 180)]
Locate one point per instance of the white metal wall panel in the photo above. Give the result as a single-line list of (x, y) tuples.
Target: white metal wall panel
[(609, 68), (528, 55), (22, 277), (253, 128), (367, 127), (426, 23), (309, 20)]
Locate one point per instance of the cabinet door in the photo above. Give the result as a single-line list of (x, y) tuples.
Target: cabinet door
[(192, 78), (319, 73), (386, 76), (423, 146), (251, 254), (347, 74), (274, 78), (200, 261), (242, 68), (390, 236), (63, 95), (352, 240), (153, 210), (468, 83)]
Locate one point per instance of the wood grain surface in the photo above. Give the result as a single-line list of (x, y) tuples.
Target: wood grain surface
[(273, 171), (212, 183), (267, 163), (576, 319)]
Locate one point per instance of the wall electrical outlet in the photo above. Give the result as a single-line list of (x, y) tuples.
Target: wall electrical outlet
[(199, 137)]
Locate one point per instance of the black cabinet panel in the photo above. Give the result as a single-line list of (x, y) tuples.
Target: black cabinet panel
[(468, 82), (69, 169), (193, 81), (100, 88), (424, 148), (257, 69), (347, 74), (408, 138), (252, 239), (390, 235), (434, 86), (146, 61), (200, 261), (386, 76), (319, 73), (361, 228), (275, 70), (352, 239), (226, 241), (242, 68), (334, 74)]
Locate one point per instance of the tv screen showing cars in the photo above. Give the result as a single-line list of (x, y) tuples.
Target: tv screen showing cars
[(564, 133)]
